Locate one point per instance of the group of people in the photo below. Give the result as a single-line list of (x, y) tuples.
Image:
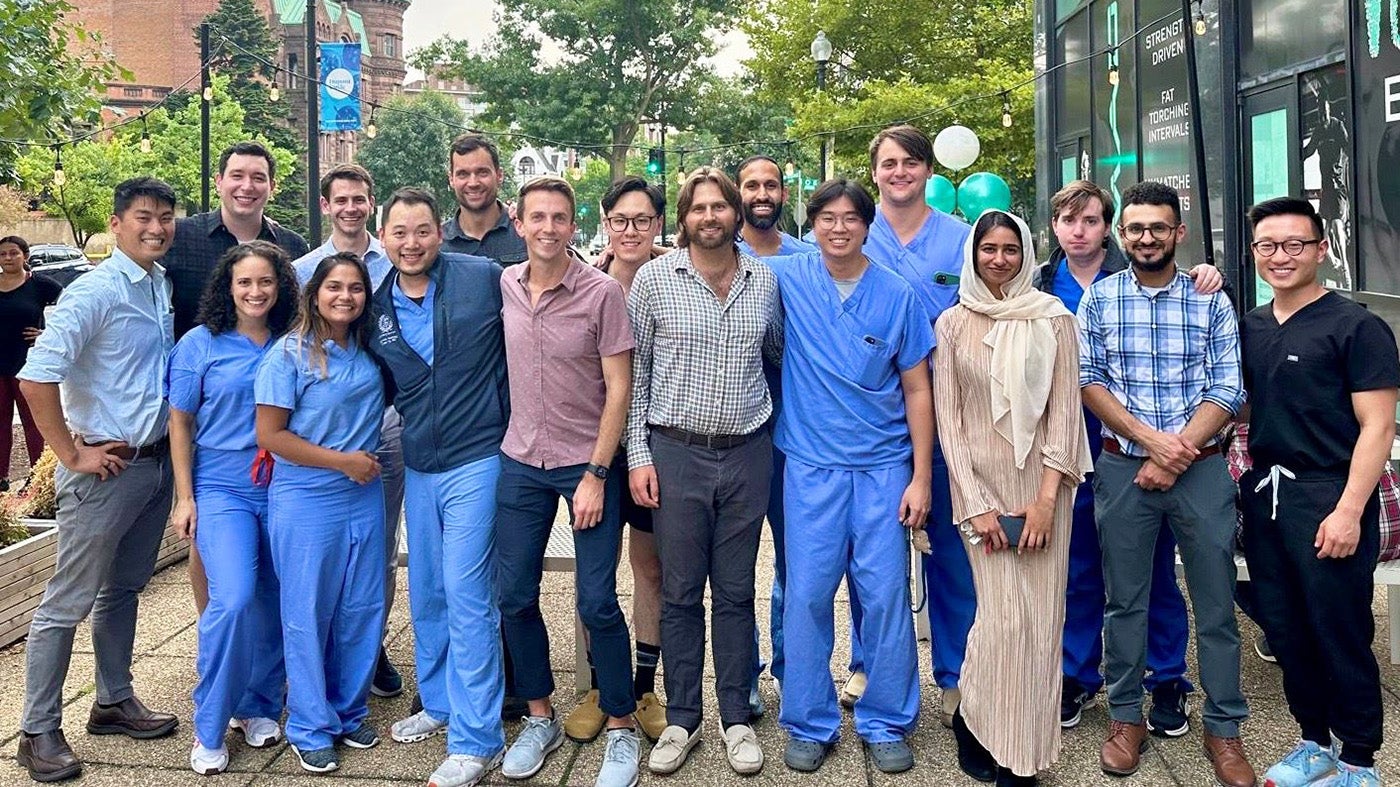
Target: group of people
[(1053, 429)]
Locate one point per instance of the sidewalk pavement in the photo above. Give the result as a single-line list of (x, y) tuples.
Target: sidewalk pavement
[(164, 670)]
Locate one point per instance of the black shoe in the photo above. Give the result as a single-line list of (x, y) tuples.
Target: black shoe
[(387, 680), (514, 709), (1168, 718), (1005, 778), (1262, 649), (47, 757), (1074, 698), (130, 718), (973, 757)]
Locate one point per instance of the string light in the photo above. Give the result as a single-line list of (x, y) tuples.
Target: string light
[(1006, 119), (680, 176), (59, 177), (1200, 23), (789, 168), (371, 130), (208, 93), (145, 135), (274, 95), (1113, 75)]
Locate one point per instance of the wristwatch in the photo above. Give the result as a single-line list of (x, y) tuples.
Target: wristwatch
[(599, 471)]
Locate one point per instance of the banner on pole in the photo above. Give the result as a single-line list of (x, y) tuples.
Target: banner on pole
[(340, 86)]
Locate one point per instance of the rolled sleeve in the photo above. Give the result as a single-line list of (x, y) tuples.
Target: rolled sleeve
[(1093, 356), (67, 330), (1224, 384)]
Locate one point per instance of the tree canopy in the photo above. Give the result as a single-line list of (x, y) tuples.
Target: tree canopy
[(410, 148)]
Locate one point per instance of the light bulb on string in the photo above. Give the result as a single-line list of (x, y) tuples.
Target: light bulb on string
[(145, 135), (371, 130), (208, 93), (1113, 75), (789, 168), (59, 177), (274, 94), (1200, 24), (1006, 119)]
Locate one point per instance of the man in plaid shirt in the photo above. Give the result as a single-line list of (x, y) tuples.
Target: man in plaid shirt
[(1160, 366)]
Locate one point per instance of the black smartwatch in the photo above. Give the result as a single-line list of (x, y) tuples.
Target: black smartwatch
[(599, 471)]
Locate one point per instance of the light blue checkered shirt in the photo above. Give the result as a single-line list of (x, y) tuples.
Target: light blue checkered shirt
[(1160, 354)]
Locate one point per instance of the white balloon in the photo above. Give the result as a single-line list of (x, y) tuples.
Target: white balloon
[(956, 147)]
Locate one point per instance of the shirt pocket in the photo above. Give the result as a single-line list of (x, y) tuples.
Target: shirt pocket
[(869, 361), (572, 338)]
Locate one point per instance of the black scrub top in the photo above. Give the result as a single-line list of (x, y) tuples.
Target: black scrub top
[(1300, 377)]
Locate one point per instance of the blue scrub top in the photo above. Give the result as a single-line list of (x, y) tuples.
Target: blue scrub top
[(341, 412), (936, 249), (416, 320), (788, 245), (211, 376), (843, 403), (1067, 289)]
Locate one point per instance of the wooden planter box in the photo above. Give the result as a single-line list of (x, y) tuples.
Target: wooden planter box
[(25, 569)]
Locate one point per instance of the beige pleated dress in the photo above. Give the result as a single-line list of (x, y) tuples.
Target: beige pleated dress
[(1011, 672)]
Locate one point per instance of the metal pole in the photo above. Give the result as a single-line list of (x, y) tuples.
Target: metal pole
[(1198, 174), (313, 136), (821, 88), (663, 178), (204, 175)]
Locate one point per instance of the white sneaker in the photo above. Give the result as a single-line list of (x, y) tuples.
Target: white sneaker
[(671, 749), (853, 690), (742, 749), (258, 732), (418, 727), (207, 762), (463, 770)]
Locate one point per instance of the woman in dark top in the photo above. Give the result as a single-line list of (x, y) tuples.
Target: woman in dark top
[(23, 296)]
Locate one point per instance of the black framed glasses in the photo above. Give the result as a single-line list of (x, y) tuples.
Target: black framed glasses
[(1292, 247), (1158, 231), (619, 223)]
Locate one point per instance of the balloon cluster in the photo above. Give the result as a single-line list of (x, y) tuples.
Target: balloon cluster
[(957, 147)]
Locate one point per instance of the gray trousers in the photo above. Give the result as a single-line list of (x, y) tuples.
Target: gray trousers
[(1200, 509), (390, 456), (109, 534), (712, 506)]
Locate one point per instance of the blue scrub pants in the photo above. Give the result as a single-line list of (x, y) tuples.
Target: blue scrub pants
[(452, 598), (952, 600), (241, 672), (527, 500), (327, 536), (850, 527), (775, 600), (1167, 626)]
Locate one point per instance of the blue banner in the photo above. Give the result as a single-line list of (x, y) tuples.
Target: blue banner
[(340, 87)]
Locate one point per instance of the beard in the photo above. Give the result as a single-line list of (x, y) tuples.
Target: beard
[(1158, 265), (725, 238), (762, 222)]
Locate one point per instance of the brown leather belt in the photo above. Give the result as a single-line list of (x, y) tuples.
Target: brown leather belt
[(160, 447), (712, 441), (1111, 445)]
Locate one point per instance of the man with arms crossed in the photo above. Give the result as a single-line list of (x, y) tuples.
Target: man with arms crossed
[(1321, 372), (105, 346)]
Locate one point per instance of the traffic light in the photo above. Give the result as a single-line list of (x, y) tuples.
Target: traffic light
[(656, 161)]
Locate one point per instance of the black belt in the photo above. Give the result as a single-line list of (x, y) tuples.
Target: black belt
[(160, 447), (707, 440)]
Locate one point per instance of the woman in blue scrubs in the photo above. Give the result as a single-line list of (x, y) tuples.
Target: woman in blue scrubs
[(251, 299), (320, 402), (857, 428)]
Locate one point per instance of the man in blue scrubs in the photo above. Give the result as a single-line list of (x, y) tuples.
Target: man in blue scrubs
[(858, 433), (1081, 214), (925, 247), (763, 195), (437, 329)]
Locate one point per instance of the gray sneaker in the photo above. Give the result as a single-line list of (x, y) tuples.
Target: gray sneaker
[(418, 727), (317, 760), (536, 740), (463, 770), (362, 737), (621, 759)]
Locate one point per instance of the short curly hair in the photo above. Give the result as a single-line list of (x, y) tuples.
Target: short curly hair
[(217, 311)]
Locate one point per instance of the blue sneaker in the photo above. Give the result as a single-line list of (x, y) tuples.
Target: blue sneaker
[(317, 760), (1352, 776), (362, 737), (540, 736), (621, 759), (1307, 763)]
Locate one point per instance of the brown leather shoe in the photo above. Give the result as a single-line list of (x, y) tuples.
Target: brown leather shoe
[(47, 757), (1232, 768), (129, 717), (1122, 750)]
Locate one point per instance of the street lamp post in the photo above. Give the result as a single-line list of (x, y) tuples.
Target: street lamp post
[(821, 53)]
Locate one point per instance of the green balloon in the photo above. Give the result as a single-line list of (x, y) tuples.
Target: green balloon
[(940, 194), (982, 191)]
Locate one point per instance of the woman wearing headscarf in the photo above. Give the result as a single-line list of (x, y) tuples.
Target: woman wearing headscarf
[(1009, 417)]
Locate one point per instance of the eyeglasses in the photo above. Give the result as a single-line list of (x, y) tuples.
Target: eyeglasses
[(829, 220), (619, 223), (1292, 247), (1158, 231)]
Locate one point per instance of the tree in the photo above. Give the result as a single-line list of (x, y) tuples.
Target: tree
[(244, 50), (91, 169), (410, 148), (936, 64), (620, 62), (52, 74)]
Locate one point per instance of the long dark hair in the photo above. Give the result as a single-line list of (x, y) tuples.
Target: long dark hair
[(217, 311), (311, 326)]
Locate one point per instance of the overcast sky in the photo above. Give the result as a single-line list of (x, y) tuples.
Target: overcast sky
[(427, 20)]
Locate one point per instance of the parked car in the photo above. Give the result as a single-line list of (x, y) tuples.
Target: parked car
[(60, 262)]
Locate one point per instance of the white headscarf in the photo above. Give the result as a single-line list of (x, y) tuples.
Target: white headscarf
[(1022, 342)]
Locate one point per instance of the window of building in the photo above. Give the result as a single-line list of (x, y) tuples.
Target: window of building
[(391, 45), (132, 92), (527, 167)]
